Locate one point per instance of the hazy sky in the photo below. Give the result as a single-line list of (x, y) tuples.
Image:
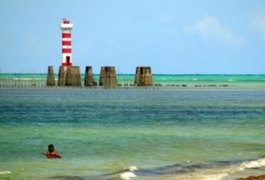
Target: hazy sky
[(171, 36)]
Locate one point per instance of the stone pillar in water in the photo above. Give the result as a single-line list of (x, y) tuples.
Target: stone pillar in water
[(89, 81), (69, 76), (50, 77), (73, 77), (62, 76), (108, 77), (143, 76)]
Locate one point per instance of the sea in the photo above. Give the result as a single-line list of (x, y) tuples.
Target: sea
[(185, 124)]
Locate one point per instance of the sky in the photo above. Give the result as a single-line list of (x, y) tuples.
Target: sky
[(171, 36)]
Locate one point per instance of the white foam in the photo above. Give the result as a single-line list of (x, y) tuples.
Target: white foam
[(215, 177), (127, 175), (225, 172), (5, 172), (133, 168), (252, 164)]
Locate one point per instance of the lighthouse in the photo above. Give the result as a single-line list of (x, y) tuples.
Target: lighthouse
[(66, 27), (69, 75)]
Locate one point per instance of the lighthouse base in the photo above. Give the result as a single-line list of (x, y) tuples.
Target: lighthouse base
[(69, 76)]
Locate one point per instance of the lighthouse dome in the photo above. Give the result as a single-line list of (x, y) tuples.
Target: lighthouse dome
[(66, 24)]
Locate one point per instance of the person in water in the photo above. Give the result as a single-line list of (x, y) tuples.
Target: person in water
[(51, 153)]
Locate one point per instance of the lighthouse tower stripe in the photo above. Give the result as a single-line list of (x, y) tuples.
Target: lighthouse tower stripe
[(66, 35), (66, 27), (66, 43), (67, 47), (67, 50)]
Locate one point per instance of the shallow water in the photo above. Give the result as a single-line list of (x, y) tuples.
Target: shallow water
[(100, 131)]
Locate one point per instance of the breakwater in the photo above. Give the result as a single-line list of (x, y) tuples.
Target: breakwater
[(38, 80), (70, 76)]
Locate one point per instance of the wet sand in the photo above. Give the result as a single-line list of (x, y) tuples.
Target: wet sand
[(262, 177)]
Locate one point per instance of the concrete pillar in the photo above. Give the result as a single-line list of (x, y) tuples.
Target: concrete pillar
[(62, 76), (89, 81), (143, 76), (108, 77), (69, 76), (73, 77), (50, 77)]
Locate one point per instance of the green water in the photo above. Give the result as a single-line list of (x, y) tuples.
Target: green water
[(158, 78), (100, 131)]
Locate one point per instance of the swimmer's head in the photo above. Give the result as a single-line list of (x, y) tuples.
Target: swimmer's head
[(51, 148)]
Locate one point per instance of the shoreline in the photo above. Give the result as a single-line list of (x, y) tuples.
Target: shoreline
[(210, 174), (245, 170), (205, 174), (221, 173)]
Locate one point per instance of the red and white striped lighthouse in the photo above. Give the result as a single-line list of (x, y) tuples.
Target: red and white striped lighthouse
[(66, 27)]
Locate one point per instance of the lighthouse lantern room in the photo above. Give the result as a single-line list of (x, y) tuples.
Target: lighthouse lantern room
[(66, 27)]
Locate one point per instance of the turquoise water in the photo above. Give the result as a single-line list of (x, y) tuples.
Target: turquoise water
[(100, 131), (19, 80), (158, 78)]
